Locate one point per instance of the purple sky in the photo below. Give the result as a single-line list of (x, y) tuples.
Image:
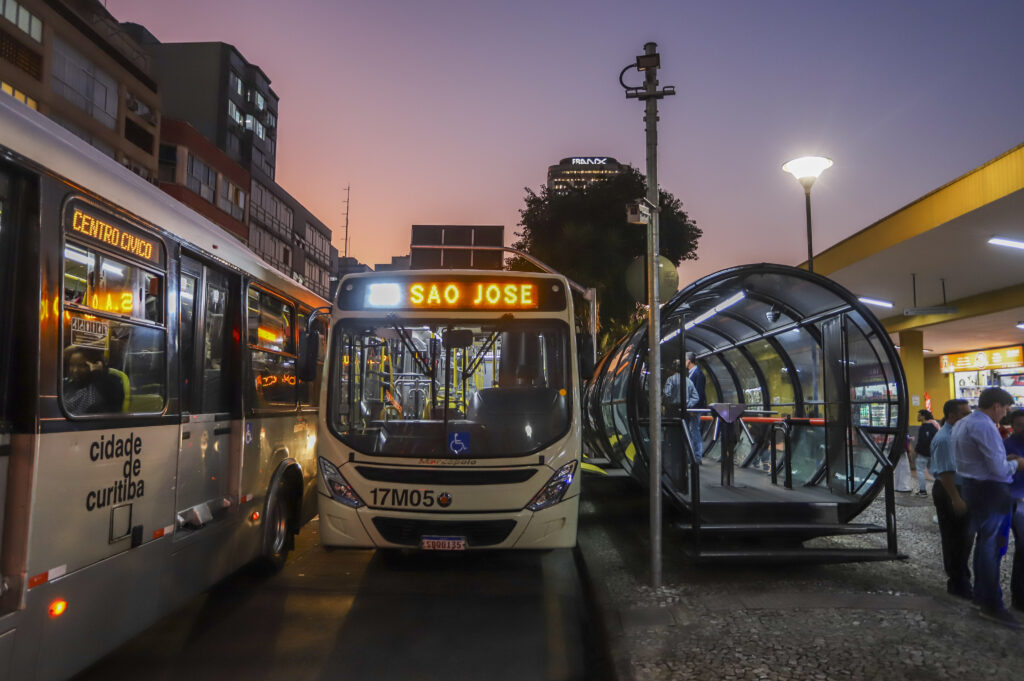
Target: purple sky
[(442, 112)]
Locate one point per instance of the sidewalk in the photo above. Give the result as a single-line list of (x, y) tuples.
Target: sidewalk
[(888, 620)]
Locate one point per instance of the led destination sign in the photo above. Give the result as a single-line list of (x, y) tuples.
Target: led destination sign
[(456, 292), (85, 224), (483, 294)]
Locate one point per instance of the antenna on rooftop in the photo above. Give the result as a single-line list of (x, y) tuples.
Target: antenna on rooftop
[(348, 192)]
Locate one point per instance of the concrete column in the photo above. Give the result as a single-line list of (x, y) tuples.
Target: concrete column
[(912, 356), (936, 384)]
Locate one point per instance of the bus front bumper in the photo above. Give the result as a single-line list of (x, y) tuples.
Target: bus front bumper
[(552, 527)]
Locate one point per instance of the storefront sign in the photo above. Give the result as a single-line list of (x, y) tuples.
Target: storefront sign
[(978, 360)]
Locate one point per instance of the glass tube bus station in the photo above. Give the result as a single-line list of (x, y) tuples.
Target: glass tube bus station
[(818, 417)]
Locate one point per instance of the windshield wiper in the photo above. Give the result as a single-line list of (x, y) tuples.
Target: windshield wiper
[(471, 369), (406, 338)]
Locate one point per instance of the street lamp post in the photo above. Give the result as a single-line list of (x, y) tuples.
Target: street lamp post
[(649, 62), (806, 170)]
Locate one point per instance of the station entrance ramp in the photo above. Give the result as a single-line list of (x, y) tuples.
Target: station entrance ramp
[(804, 419)]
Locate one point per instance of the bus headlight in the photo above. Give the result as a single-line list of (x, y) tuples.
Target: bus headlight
[(338, 486), (551, 493)]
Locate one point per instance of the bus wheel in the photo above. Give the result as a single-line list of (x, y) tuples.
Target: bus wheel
[(277, 537)]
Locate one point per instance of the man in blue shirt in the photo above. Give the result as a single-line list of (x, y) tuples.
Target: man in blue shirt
[(699, 381), (672, 439), (1015, 445), (954, 523), (987, 472)]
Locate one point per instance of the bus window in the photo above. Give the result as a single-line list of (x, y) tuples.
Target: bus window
[(111, 285), (216, 391), (112, 366), (272, 349), (78, 272)]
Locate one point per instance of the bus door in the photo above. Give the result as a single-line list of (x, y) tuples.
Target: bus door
[(209, 360)]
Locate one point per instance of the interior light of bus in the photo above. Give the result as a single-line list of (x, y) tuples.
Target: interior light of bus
[(58, 607), (266, 334), (77, 255), (113, 269), (383, 294)]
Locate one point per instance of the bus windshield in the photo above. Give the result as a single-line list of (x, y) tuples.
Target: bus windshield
[(448, 388)]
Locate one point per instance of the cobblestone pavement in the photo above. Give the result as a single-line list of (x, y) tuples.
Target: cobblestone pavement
[(877, 620)]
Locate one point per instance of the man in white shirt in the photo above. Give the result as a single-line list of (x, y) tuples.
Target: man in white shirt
[(987, 471)]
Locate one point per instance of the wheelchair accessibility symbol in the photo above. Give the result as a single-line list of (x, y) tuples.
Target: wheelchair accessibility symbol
[(458, 443)]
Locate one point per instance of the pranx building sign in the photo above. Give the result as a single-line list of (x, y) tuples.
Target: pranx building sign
[(579, 172)]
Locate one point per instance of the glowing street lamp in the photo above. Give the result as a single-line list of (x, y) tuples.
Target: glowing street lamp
[(806, 170)]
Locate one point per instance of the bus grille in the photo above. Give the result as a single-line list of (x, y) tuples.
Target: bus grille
[(420, 476), (477, 532)]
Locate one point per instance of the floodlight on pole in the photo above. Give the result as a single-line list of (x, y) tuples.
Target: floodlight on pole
[(806, 170)]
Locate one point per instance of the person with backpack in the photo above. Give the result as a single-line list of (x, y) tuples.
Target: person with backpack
[(922, 447)]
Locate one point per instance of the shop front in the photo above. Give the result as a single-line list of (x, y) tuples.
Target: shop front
[(971, 372)]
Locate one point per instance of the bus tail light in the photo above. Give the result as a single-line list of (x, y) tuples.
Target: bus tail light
[(337, 485), (58, 607), (552, 492)]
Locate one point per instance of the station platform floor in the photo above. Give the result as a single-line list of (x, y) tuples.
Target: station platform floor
[(876, 620)]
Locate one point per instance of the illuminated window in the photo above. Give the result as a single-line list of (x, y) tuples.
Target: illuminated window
[(272, 350), (231, 199), (111, 362), (235, 84), (234, 114), (19, 95)]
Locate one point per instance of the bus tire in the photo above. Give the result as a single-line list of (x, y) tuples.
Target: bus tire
[(278, 530)]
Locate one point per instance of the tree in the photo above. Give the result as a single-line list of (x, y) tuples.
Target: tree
[(585, 236)]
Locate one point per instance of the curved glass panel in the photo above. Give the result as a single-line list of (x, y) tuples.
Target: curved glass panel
[(727, 387), (776, 375), (805, 355)]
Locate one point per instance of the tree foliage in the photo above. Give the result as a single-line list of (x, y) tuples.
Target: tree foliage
[(585, 236)]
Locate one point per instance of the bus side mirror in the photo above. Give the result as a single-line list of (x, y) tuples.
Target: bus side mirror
[(309, 353), (585, 355)]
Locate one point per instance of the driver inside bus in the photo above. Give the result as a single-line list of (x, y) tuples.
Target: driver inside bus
[(88, 387)]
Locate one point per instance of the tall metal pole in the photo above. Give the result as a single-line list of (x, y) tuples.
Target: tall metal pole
[(649, 62), (653, 316), (810, 249)]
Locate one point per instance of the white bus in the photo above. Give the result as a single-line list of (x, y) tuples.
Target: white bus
[(450, 413), (153, 434)]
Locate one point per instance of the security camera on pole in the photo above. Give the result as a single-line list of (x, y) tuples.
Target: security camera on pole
[(649, 62)]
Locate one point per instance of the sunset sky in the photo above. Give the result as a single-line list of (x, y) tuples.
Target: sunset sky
[(443, 111)]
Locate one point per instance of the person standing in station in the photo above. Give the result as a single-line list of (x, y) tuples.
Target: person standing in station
[(673, 400), (987, 472), (696, 376), (922, 448), (950, 508), (1014, 444)]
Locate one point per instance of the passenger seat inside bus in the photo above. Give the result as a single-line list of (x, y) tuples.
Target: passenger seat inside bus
[(126, 384)]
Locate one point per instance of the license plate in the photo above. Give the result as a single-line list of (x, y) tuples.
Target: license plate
[(433, 543)]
